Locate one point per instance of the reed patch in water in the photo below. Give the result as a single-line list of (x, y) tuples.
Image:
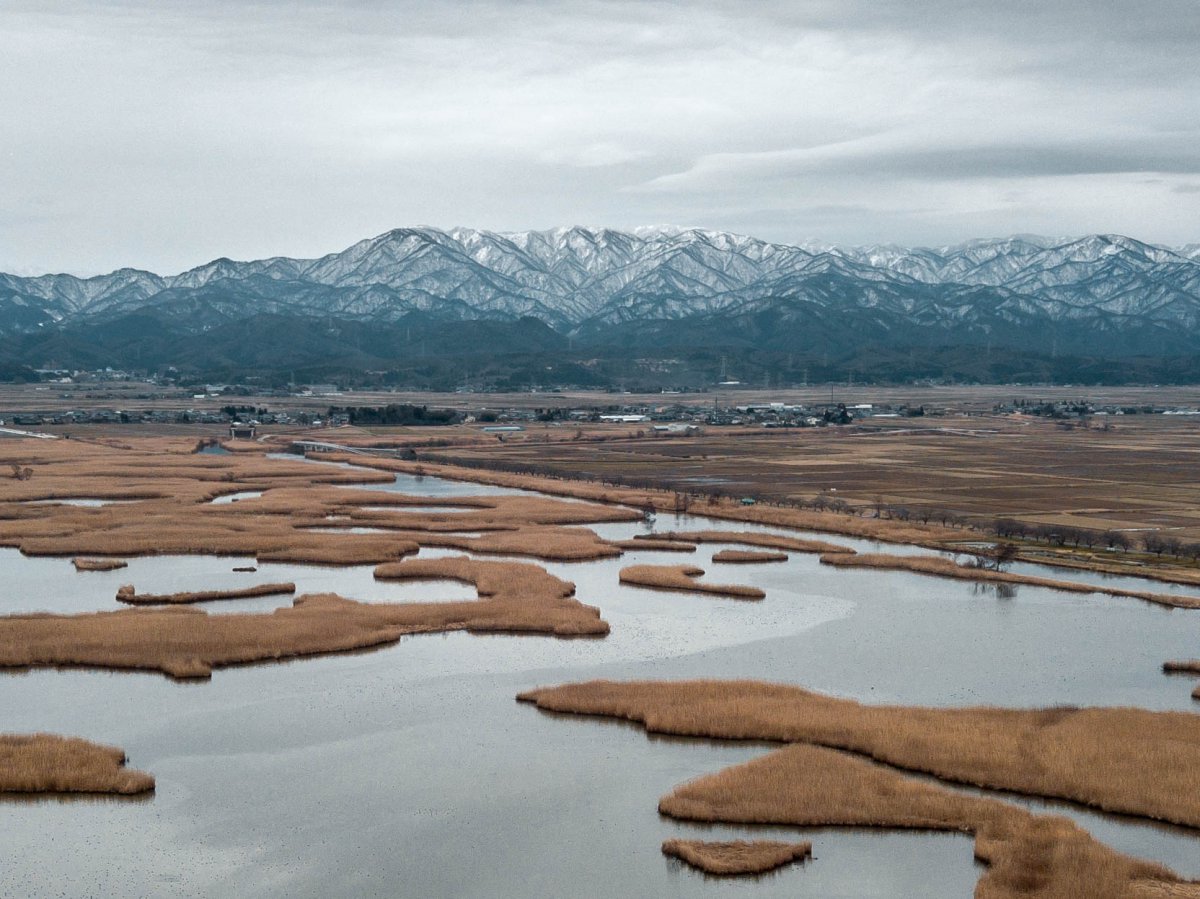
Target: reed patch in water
[(1123, 760), (736, 856), (98, 564), (650, 544), (127, 594), (943, 567), (184, 642), (48, 763), (750, 538), (683, 578), (1190, 666), (1028, 855), (748, 556)]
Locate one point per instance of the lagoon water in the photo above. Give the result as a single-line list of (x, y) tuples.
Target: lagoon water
[(411, 771)]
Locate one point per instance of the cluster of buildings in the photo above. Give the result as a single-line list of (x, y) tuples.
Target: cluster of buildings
[(1068, 409), (680, 416)]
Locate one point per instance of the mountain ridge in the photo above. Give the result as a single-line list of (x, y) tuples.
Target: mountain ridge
[(1103, 295)]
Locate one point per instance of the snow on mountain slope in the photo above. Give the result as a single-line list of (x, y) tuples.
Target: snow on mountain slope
[(569, 277)]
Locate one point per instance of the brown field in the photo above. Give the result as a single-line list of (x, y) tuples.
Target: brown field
[(99, 564), (683, 578), (515, 597), (141, 395), (737, 856), (663, 500), (748, 556), (45, 763), (1140, 473), (939, 566), (127, 594), (1124, 760)]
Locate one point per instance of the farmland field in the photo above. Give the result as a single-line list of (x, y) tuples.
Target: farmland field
[(1134, 472)]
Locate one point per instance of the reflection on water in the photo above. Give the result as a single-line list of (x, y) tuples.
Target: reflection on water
[(304, 778)]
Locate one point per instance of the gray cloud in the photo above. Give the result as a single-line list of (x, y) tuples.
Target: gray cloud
[(162, 134)]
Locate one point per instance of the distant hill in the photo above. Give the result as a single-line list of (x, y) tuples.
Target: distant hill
[(1106, 305)]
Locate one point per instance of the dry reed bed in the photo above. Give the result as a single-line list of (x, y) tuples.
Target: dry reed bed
[(1185, 667), (502, 511), (664, 501), (189, 643), (1123, 760), (167, 528), (683, 578), (748, 538), (1044, 556), (737, 856), (650, 544), (1189, 666), (47, 763), (276, 526), (942, 567), (128, 595), (885, 529), (748, 556), (99, 564), (1028, 855)]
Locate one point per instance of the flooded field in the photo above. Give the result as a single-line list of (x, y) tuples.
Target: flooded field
[(411, 771)]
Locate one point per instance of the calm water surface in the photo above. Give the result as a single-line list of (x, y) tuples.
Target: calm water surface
[(410, 771)]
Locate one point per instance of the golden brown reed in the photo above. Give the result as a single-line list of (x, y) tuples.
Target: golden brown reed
[(748, 556), (885, 529), (98, 564), (189, 643), (1072, 558), (683, 578), (943, 567), (175, 515), (749, 538), (128, 595), (1028, 855), (47, 763), (737, 856), (1122, 760), (1189, 666), (1117, 759), (664, 501), (650, 544), (946, 568)]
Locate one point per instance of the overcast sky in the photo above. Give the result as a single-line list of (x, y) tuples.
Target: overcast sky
[(162, 134)]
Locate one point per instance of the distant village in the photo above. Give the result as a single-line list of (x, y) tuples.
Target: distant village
[(164, 402)]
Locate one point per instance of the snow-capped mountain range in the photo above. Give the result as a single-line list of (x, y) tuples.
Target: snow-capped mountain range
[(603, 285)]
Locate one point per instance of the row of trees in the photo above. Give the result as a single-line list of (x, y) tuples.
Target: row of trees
[(395, 414), (1153, 542)]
